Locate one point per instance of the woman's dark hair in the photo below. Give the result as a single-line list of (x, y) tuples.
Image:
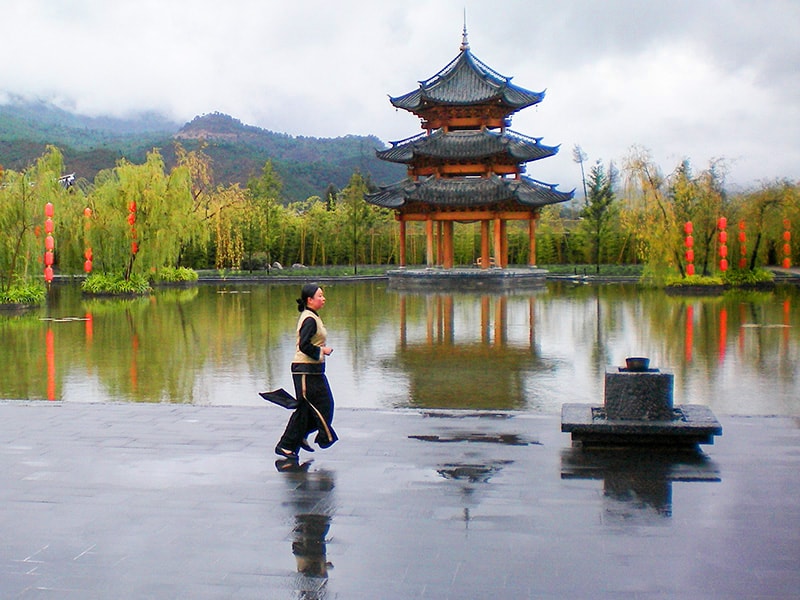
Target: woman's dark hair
[(307, 292)]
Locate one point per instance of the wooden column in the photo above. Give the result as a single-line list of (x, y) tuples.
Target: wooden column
[(429, 243), (532, 242), (498, 242), (439, 244), (402, 243), (485, 256), (449, 252), (504, 243)]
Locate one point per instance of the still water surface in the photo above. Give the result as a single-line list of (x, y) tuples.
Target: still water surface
[(221, 344)]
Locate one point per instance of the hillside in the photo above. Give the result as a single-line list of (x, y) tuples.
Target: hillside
[(306, 165)]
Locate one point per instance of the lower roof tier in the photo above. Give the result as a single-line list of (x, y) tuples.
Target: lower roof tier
[(468, 192)]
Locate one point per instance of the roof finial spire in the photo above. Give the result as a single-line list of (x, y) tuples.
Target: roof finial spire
[(464, 40)]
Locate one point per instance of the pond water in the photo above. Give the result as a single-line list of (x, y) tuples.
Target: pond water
[(221, 344)]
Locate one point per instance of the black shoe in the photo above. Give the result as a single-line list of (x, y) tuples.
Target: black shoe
[(304, 445), (285, 453)]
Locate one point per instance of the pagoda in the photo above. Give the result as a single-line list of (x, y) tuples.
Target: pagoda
[(467, 166)]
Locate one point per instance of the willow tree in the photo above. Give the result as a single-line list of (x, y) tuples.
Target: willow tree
[(23, 196), (141, 216), (265, 191), (650, 215)]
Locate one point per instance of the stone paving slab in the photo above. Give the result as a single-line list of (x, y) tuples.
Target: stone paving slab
[(164, 501)]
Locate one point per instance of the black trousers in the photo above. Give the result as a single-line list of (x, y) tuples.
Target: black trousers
[(314, 412)]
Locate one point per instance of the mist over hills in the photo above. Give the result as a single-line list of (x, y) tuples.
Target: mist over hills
[(238, 151)]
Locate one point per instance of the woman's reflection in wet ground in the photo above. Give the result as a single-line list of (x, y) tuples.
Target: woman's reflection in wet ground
[(311, 500)]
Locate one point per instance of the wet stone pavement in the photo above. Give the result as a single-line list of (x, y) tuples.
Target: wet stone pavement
[(164, 501)]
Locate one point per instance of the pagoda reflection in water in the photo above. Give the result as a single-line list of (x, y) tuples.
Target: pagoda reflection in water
[(459, 359)]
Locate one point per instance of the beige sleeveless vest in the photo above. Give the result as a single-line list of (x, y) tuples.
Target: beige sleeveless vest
[(318, 340)]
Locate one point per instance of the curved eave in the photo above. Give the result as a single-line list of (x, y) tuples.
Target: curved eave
[(468, 193), (467, 145), (466, 81)]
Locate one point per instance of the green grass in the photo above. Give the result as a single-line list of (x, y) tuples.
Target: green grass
[(24, 293), (108, 284)]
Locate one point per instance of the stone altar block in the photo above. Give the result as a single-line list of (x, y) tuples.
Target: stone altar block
[(638, 410)]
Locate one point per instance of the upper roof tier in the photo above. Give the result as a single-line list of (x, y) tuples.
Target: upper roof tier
[(478, 144), (466, 81)]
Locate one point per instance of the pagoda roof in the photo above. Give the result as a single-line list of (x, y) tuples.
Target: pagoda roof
[(467, 145), (466, 81), (468, 192)]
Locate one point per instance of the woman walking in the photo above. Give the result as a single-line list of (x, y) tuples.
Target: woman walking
[(314, 411)]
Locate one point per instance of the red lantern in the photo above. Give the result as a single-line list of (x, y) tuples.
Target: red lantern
[(87, 212), (48, 210), (690, 256), (742, 237), (742, 249), (688, 228), (787, 249), (689, 241), (87, 254), (48, 259), (131, 219), (48, 225), (787, 263), (723, 265), (742, 263), (132, 206), (723, 251), (787, 235), (723, 223), (134, 247), (87, 266), (48, 274), (786, 223), (49, 243), (741, 225), (723, 237), (690, 269)]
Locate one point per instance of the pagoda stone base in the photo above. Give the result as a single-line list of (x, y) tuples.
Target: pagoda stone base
[(466, 279)]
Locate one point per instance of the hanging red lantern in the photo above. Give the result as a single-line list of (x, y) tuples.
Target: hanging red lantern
[(689, 241), (131, 219), (690, 256), (48, 259), (87, 254), (723, 265), (688, 228), (49, 243), (742, 237), (787, 249), (87, 212), (132, 206), (690, 269), (48, 225), (741, 225), (87, 266), (134, 247), (49, 211), (787, 235), (786, 223), (742, 263), (787, 263), (48, 274), (723, 251), (722, 223), (723, 237)]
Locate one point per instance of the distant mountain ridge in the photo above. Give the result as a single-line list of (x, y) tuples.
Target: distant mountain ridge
[(306, 165)]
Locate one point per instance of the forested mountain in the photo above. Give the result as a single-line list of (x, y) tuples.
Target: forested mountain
[(306, 165)]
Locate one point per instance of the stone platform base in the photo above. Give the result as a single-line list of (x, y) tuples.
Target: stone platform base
[(466, 278), (693, 424)]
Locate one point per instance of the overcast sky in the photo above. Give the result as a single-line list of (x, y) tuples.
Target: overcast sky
[(696, 79)]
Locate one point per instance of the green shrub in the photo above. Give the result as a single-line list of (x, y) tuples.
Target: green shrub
[(103, 283), (24, 293), (175, 275), (739, 278), (693, 280)]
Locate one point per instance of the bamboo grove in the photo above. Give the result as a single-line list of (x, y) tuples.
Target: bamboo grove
[(138, 218)]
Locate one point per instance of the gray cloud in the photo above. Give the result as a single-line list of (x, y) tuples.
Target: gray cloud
[(686, 79)]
